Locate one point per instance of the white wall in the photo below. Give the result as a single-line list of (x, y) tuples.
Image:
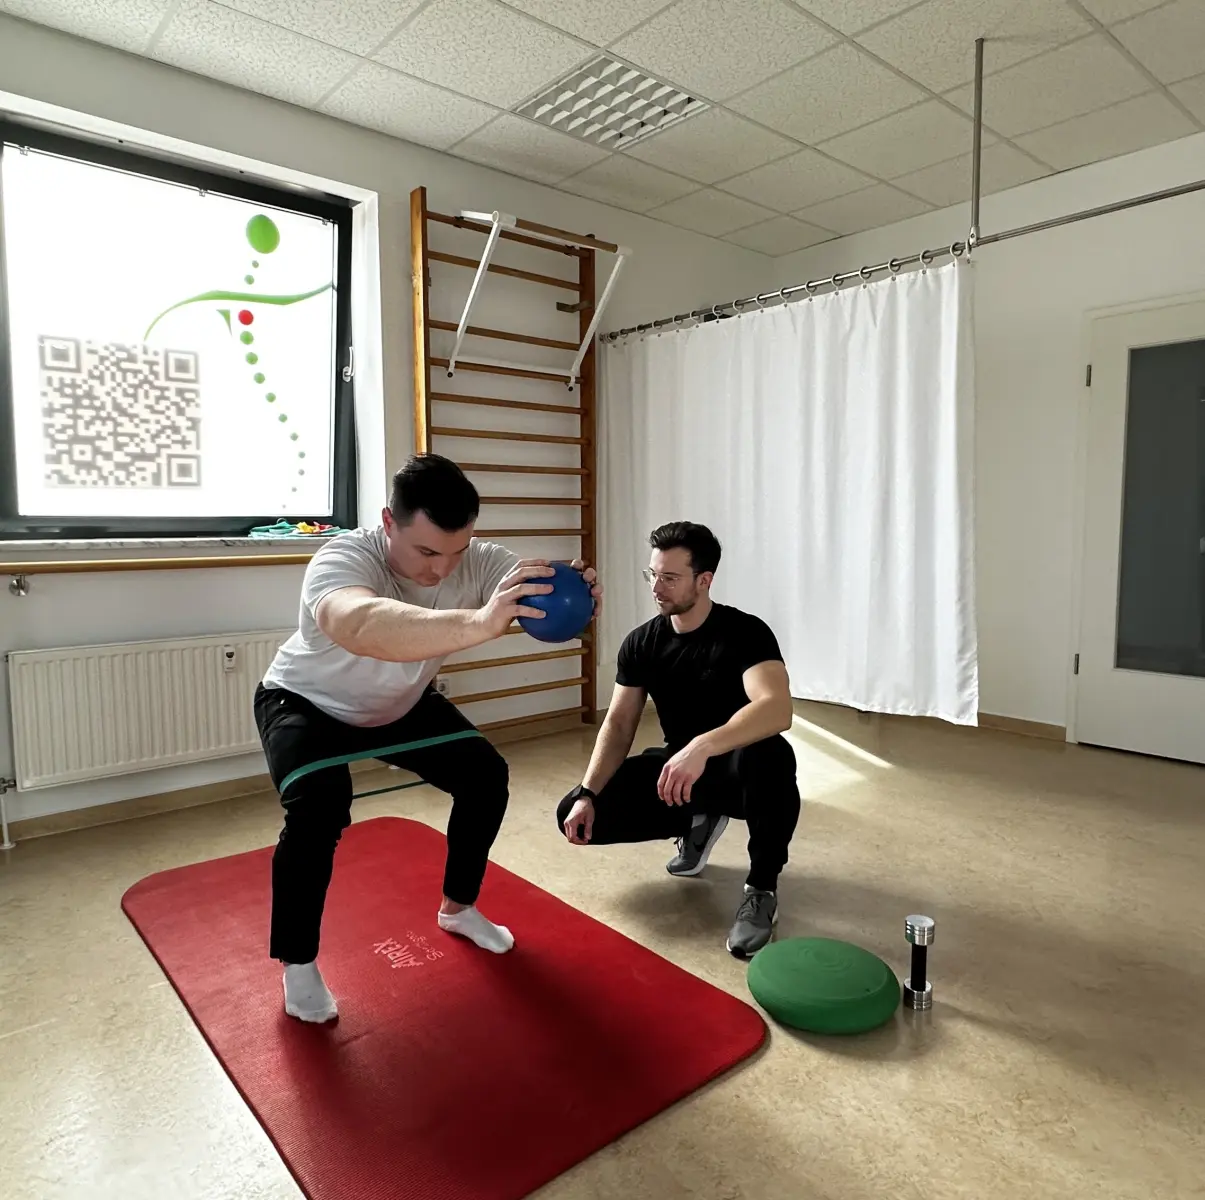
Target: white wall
[(670, 269), (1033, 296)]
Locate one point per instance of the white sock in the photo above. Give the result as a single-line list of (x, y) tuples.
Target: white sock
[(306, 995), (471, 924)]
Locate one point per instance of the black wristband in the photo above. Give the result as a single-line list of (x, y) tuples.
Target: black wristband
[(580, 791)]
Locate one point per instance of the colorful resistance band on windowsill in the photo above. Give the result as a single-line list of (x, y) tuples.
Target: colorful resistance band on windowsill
[(302, 529)]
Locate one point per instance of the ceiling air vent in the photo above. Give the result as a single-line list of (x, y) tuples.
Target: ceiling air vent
[(610, 104)]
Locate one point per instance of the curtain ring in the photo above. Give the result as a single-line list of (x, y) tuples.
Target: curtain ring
[(866, 273), (926, 258), (895, 266), (956, 249), (836, 282), (782, 293), (713, 311), (759, 301), (811, 289)]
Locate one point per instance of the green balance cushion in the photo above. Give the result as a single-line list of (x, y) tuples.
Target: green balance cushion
[(823, 986)]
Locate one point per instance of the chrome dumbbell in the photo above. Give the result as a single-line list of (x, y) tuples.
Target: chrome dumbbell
[(918, 991)]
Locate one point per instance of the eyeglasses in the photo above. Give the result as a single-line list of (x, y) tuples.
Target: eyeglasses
[(670, 581)]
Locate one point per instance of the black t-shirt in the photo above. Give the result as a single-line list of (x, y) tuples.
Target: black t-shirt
[(695, 679)]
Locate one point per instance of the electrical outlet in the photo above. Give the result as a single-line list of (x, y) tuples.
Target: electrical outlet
[(441, 685)]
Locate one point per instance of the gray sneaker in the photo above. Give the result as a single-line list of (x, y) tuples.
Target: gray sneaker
[(694, 848), (754, 924)]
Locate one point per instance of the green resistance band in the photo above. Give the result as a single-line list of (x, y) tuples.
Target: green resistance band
[(340, 760)]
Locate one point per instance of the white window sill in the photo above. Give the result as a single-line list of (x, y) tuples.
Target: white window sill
[(23, 547)]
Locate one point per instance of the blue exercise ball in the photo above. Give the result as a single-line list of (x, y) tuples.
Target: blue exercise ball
[(567, 608)]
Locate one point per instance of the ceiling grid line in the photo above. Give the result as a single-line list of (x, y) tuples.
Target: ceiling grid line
[(1156, 83)]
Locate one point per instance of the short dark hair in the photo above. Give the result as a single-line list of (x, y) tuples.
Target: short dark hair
[(436, 486), (702, 545)]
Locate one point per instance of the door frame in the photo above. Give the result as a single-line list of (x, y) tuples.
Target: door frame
[(1080, 485)]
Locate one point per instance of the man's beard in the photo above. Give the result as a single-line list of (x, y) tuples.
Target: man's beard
[(680, 607)]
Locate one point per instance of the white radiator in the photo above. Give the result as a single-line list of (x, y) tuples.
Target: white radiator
[(93, 711)]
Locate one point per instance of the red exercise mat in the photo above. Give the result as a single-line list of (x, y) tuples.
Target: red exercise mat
[(452, 1073)]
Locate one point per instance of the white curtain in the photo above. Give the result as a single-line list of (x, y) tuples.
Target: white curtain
[(828, 443)]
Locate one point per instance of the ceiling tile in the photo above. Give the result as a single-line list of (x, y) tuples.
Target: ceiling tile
[(716, 49), (524, 148), (597, 23), (711, 212), (1169, 42), (629, 184), (935, 42), (804, 178), (906, 141), (379, 98), (1191, 93), (949, 182), (851, 16), (1131, 125), (482, 50), (833, 92), (871, 208), (249, 53), (128, 26), (783, 235), (711, 146), (1111, 11), (1065, 83), (359, 28)]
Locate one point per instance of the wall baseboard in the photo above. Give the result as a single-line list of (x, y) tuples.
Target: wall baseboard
[(1037, 729), (502, 732)]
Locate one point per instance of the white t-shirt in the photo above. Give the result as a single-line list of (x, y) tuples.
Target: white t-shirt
[(351, 687)]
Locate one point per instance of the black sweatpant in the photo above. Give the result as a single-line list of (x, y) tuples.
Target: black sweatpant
[(755, 784), (318, 806)]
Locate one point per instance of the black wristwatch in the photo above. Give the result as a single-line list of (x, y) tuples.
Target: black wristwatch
[(580, 791)]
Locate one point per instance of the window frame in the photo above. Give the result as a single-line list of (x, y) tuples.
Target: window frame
[(237, 185)]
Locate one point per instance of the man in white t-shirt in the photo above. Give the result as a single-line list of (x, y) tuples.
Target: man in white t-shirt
[(380, 609)]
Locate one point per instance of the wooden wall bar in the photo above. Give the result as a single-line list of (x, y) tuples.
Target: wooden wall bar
[(509, 413)]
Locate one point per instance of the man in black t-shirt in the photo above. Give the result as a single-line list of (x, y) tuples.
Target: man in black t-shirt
[(719, 684)]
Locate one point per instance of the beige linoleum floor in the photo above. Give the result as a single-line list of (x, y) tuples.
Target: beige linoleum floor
[(1065, 1055)]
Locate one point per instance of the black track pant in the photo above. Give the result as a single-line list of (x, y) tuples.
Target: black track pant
[(755, 784), (318, 805)]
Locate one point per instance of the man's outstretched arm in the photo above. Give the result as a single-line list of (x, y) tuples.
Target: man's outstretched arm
[(616, 736), (610, 749)]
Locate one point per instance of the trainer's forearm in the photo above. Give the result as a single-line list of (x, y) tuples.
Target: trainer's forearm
[(397, 632), (610, 749), (758, 720)]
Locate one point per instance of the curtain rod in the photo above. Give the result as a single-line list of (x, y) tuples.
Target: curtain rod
[(812, 286), (923, 257)]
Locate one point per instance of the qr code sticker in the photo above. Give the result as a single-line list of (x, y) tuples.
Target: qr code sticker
[(121, 416)]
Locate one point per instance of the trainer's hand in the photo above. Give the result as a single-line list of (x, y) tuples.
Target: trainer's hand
[(506, 604), (680, 774), (581, 814), (591, 577)]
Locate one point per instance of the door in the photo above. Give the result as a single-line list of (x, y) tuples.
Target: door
[(1141, 681)]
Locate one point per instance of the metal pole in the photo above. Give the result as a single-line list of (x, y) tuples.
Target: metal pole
[(6, 843), (977, 146), (1184, 189), (762, 298), (865, 274)]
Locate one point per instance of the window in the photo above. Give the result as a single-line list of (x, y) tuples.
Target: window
[(172, 345)]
